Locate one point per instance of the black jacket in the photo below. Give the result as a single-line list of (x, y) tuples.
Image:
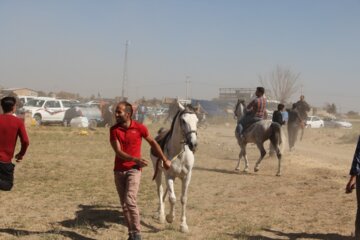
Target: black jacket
[(277, 117)]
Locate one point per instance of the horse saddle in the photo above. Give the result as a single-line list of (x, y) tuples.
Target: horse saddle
[(161, 139)]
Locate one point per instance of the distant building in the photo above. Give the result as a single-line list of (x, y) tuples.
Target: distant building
[(233, 94), (20, 91)]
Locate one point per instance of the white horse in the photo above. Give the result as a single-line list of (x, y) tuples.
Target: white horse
[(258, 133), (179, 144)]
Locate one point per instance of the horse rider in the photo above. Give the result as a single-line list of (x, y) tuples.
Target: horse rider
[(302, 107), (200, 112), (255, 111)]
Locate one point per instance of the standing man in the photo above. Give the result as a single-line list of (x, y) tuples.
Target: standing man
[(125, 138), (255, 111), (10, 128), (354, 182), (294, 124), (277, 115)]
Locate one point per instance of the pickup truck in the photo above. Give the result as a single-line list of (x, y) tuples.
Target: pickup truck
[(48, 110)]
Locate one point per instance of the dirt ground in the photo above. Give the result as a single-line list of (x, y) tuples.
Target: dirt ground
[(64, 190)]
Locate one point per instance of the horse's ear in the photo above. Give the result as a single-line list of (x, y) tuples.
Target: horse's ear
[(181, 107)]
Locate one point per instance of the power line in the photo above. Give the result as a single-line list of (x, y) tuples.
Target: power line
[(125, 74)]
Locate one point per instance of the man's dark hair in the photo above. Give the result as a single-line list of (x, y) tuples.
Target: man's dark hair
[(261, 90), (281, 107), (128, 107), (8, 103)]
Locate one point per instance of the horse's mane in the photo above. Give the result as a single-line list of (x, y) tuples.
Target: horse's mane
[(188, 109)]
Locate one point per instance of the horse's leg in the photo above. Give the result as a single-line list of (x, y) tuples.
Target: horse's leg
[(185, 185), (160, 192), (237, 168), (246, 169), (172, 200), (262, 155), (275, 142), (278, 154)]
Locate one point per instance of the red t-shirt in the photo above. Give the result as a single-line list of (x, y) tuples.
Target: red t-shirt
[(130, 142), (10, 128)]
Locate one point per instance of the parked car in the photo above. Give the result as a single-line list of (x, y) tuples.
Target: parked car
[(91, 112), (48, 110), (337, 123), (314, 122)]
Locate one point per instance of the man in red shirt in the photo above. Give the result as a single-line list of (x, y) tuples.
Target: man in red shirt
[(10, 128), (126, 138)]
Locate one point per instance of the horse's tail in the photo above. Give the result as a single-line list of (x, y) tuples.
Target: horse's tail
[(277, 136), (156, 169)]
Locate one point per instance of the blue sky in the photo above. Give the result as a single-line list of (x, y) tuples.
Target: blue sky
[(79, 46)]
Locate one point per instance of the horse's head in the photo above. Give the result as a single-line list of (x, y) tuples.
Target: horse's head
[(239, 108), (188, 123)]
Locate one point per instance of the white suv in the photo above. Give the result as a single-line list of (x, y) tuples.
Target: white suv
[(48, 110)]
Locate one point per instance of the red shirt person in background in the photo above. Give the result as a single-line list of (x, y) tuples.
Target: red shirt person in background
[(126, 138), (11, 127)]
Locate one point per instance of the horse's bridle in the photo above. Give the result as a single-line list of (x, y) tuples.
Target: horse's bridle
[(186, 133)]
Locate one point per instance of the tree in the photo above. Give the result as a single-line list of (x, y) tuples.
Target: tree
[(352, 114), (282, 83)]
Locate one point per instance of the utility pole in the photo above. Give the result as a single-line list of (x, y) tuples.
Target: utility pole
[(125, 74), (187, 87)]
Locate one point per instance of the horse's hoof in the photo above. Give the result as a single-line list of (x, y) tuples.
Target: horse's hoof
[(169, 218), (278, 174), (184, 228), (246, 170), (256, 169), (237, 169)]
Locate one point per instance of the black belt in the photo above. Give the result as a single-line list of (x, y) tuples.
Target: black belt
[(136, 167)]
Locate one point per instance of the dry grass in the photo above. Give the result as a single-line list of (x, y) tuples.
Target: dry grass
[(64, 190)]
